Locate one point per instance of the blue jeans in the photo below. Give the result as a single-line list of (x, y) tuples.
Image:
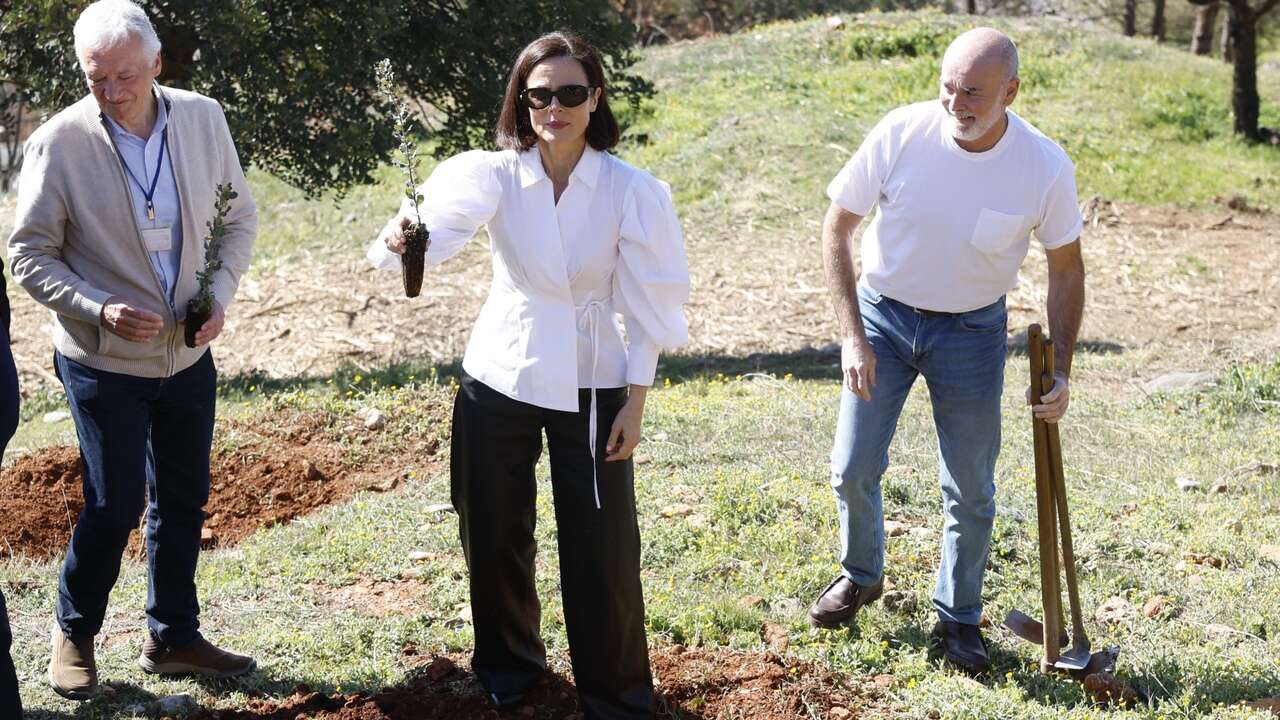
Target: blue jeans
[(962, 360), (142, 440)]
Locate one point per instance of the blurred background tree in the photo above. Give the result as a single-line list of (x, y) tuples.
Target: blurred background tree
[(296, 77)]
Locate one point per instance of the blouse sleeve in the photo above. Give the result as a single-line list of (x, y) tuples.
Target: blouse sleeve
[(461, 194), (651, 282)]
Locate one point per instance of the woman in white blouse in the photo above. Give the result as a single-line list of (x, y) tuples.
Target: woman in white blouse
[(578, 237)]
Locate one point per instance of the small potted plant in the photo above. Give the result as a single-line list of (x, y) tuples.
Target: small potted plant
[(416, 237), (200, 306)]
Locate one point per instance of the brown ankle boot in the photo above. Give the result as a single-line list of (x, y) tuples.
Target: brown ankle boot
[(199, 658), (840, 602), (73, 674)]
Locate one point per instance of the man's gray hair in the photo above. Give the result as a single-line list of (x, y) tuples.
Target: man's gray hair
[(108, 23), (1010, 53)]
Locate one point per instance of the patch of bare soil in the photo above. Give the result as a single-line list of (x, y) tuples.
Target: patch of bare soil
[(691, 684), (279, 467), (378, 598), (1156, 277)]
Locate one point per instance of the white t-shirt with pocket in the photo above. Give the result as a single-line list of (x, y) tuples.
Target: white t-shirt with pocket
[(954, 226)]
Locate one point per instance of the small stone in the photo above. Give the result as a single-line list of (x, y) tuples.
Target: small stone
[(659, 436), (1172, 382), (420, 556), (642, 459), (206, 537), (373, 418), (902, 602), (921, 533), (776, 637), (174, 703), (697, 520), (676, 510), (835, 22), (751, 601), (894, 528), (1236, 526), (310, 471), (1219, 488), (1155, 606), (439, 508), (1270, 552), (1186, 484), (889, 585), (839, 713), (1114, 610), (56, 416)]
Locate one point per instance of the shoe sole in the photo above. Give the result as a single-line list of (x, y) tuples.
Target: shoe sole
[(69, 694), (174, 668), (836, 625)]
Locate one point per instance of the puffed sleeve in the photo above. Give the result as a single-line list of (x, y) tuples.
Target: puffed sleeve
[(651, 282), (461, 194)]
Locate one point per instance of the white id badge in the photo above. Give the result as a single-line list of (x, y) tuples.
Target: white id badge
[(157, 239)]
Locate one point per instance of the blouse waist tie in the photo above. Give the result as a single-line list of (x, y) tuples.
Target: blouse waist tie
[(589, 320)]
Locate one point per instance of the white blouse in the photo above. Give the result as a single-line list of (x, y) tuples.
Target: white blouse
[(612, 245)]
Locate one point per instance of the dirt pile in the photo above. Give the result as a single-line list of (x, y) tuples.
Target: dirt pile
[(277, 468), (701, 683)]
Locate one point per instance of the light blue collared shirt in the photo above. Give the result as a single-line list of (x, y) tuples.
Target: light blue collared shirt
[(141, 157)]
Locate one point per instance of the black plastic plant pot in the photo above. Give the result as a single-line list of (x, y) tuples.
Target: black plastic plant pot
[(414, 258), (195, 320)]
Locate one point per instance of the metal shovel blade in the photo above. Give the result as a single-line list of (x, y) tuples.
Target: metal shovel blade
[(1076, 658), (1030, 629)]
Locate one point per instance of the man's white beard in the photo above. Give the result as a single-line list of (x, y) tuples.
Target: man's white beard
[(977, 130)]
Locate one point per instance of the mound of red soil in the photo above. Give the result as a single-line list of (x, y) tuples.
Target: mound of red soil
[(279, 469), (692, 684)]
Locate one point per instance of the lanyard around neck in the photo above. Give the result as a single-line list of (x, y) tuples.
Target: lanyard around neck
[(148, 194)]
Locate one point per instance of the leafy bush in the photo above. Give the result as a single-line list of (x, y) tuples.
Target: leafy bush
[(1191, 113)]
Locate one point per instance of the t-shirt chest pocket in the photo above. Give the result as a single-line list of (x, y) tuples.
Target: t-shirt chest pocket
[(997, 231)]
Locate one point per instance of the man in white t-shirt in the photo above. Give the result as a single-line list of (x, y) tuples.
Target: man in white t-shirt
[(961, 185)]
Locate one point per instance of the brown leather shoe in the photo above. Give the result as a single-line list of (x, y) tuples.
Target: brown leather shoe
[(199, 658), (839, 603), (73, 674)]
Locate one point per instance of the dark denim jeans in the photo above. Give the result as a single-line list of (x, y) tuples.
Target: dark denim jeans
[(10, 702), (141, 440), (962, 360)]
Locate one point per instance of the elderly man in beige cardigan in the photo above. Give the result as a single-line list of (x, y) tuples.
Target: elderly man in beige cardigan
[(113, 199)]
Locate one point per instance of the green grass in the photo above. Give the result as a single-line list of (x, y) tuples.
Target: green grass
[(748, 455)]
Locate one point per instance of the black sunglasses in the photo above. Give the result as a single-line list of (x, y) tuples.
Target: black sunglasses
[(568, 95)]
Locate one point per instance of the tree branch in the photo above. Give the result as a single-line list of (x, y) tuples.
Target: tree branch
[(1266, 7)]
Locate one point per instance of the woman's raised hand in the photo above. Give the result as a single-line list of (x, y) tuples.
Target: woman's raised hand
[(393, 233)]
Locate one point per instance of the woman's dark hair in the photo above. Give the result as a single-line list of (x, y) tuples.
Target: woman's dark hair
[(514, 131)]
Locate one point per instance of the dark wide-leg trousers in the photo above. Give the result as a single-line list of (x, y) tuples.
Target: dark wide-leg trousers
[(495, 448), (10, 701)]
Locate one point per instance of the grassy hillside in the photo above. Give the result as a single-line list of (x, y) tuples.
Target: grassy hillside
[(749, 128)]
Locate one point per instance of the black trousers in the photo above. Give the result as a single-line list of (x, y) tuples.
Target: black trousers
[(495, 447), (10, 702)]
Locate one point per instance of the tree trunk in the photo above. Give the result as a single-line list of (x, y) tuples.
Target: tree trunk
[(1228, 44), (1130, 18), (1243, 24), (1202, 37), (1157, 20), (971, 6)]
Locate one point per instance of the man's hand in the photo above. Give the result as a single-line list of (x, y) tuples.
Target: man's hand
[(858, 362), (212, 327), (625, 435), (393, 233), (124, 318), (1053, 404)]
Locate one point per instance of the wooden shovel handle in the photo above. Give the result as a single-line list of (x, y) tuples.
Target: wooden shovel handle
[(1059, 484), (1050, 593)]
